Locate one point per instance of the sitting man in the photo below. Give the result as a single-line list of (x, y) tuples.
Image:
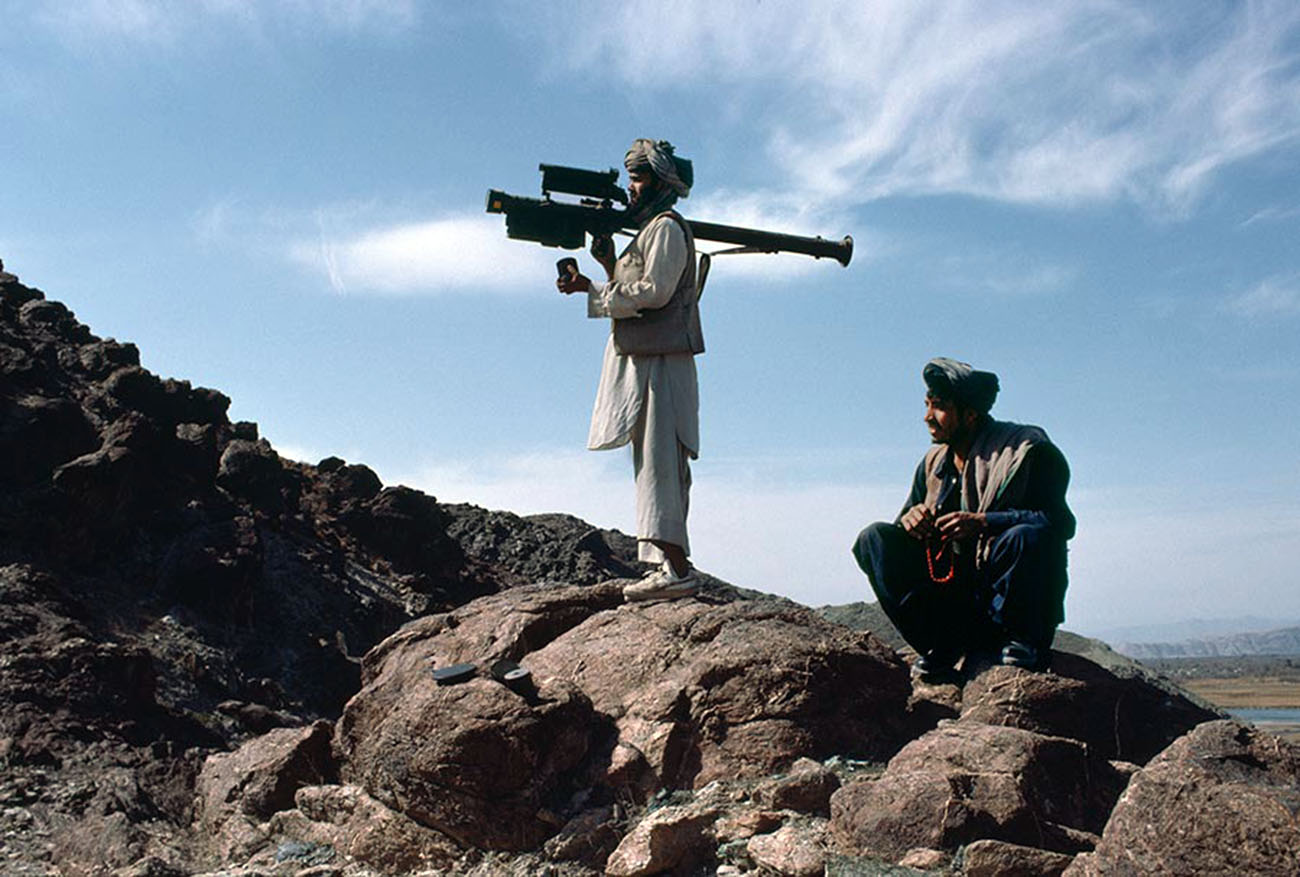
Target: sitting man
[(976, 559)]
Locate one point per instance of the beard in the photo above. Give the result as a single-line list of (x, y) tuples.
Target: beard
[(651, 203)]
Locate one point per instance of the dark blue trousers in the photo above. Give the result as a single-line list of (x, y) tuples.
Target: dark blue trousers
[(1017, 594)]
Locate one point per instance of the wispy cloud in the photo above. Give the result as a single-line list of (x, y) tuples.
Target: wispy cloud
[(1271, 297), (1059, 103), (1270, 214)]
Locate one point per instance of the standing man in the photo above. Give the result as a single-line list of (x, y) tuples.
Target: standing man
[(976, 559), (648, 394)]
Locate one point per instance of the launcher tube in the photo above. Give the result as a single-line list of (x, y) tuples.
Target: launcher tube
[(560, 224)]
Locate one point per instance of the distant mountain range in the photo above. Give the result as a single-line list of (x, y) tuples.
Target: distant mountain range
[(1192, 629), (1285, 641)]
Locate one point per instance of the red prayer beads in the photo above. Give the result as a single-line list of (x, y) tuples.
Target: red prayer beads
[(931, 556)]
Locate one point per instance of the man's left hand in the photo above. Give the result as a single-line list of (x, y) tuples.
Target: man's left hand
[(573, 283), (961, 525)]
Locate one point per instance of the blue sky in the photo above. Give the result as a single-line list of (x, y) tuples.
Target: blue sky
[(1099, 201)]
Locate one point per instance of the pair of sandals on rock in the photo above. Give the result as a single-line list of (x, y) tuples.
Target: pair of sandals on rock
[(508, 673)]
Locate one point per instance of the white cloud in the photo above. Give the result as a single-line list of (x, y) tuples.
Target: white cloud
[(1054, 103), (470, 252), (459, 252), (1271, 297)]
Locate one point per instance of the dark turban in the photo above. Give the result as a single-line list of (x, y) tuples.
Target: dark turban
[(949, 379)]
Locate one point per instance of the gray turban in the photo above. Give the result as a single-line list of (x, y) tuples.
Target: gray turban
[(676, 173), (949, 379)]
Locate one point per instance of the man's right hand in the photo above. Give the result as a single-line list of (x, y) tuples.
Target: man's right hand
[(602, 250), (918, 521)]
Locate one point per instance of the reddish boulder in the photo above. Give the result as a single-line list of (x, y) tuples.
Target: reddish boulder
[(962, 782), (1220, 800), (995, 858), (629, 697), (807, 788), (507, 625), (476, 761), (797, 849), (701, 692), (1124, 717), (346, 819), (674, 837), (261, 777)]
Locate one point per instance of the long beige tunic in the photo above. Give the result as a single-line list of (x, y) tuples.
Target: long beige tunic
[(651, 402)]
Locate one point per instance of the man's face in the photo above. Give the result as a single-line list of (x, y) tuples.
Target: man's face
[(641, 185), (948, 422)]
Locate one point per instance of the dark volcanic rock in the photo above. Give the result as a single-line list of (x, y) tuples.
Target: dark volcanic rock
[(407, 528), (1221, 800), (37, 434), (542, 548), (252, 470)]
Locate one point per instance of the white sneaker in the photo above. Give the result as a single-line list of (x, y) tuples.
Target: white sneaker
[(663, 584)]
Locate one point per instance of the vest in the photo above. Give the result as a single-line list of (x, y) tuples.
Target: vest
[(672, 328)]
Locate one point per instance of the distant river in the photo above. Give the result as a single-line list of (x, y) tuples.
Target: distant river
[(1287, 716)]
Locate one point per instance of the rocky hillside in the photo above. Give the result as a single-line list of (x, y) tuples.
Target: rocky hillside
[(215, 660)]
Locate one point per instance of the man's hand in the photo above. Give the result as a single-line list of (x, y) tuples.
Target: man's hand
[(918, 521), (602, 250), (961, 525), (573, 283)]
